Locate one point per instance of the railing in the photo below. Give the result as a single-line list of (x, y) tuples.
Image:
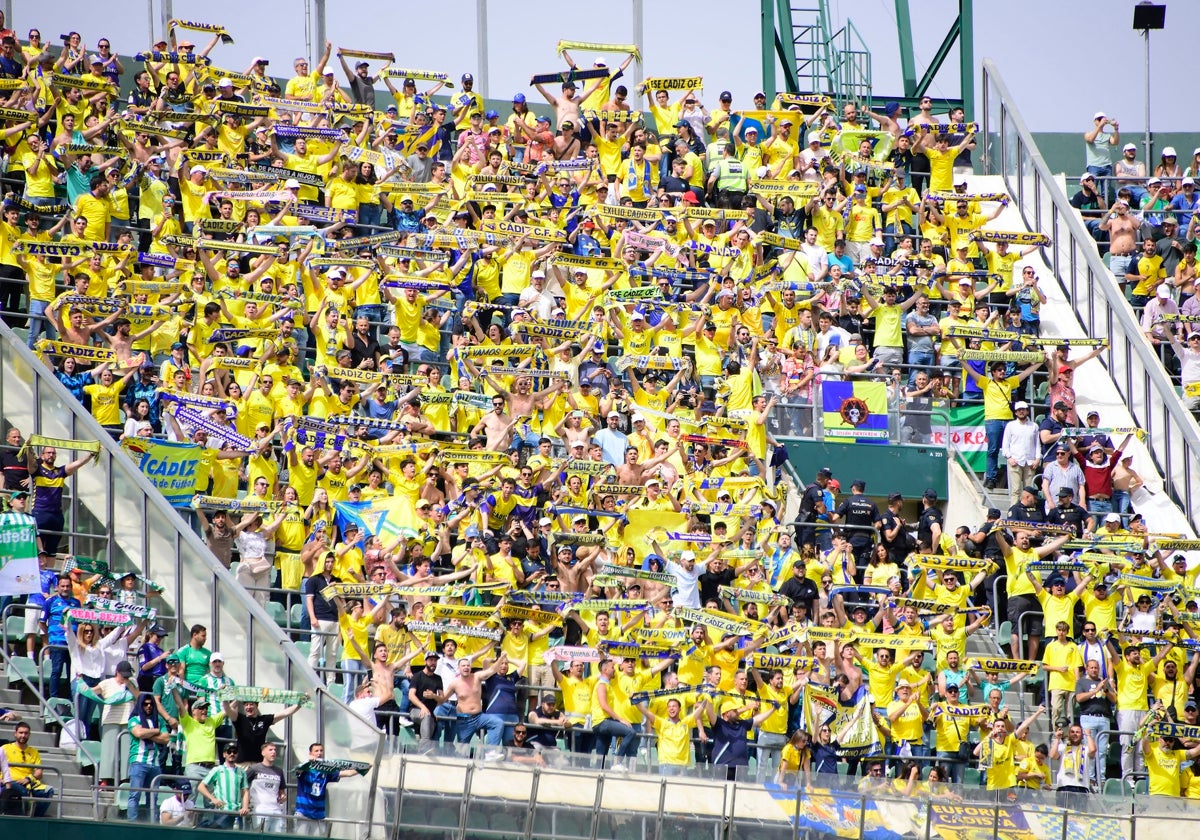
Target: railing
[(133, 528), (1172, 435)]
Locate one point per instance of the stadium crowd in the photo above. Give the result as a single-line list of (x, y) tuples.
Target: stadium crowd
[(492, 400)]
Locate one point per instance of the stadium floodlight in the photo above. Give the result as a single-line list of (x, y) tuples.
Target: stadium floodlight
[(1148, 16)]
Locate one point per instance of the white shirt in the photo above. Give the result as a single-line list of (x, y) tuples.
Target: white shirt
[(176, 808), (687, 590), (1021, 442)]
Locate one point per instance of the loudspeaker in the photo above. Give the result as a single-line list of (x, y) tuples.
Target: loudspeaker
[(1149, 16)]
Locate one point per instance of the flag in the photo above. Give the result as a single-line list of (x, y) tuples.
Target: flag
[(818, 707), (19, 572), (966, 432), (385, 517), (855, 733), (855, 412), (171, 467)]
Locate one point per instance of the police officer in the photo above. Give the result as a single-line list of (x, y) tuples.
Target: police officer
[(729, 179)]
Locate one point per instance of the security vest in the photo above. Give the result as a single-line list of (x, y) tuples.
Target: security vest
[(731, 175)]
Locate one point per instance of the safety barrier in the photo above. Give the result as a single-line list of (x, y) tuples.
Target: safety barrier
[(1172, 435)]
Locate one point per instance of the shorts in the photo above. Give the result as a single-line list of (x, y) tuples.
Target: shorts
[(1020, 604), (32, 622)]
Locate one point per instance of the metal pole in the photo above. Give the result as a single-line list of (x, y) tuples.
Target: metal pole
[(149, 19), (168, 13), (1149, 164), (639, 37), (319, 41), (481, 41)]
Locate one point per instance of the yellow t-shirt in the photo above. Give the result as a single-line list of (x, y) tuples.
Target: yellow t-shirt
[(106, 402), (1058, 654), (1163, 766), (1132, 683)]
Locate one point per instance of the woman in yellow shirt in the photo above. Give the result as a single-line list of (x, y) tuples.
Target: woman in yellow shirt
[(105, 396)]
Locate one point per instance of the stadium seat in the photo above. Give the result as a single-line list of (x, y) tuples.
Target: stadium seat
[(1004, 637), (1115, 788), (296, 615), (277, 612), (1142, 787), (86, 749), (14, 628), (971, 777), (22, 668)]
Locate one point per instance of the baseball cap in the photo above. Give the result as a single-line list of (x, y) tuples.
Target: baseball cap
[(124, 668), (1169, 151), (199, 704), (637, 316), (1099, 115), (652, 480), (216, 657), (637, 417), (1020, 404), (225, 83), (993, 513), (1093, 413), (930, 494), (183, 786), (1128, 146), (1163, 292), (467, 77), (1065, 491), (895, 497), (518, 98), (172, 658), (1113, 517), (549, 697), (291, 184), (490, 114), (725, 96), (1030, 489), (825, 472), (1060, 405)]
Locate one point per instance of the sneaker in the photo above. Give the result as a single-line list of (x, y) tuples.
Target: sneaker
[(618, 768), (493, 755), (404, 721)]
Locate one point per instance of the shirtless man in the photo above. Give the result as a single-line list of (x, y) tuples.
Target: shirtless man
[(496, 426), (383, 687), (566, 105), (122, 341), (468, 689), (75, 331), (523, 400), (572, 578), (631, 472), (1122, 230)]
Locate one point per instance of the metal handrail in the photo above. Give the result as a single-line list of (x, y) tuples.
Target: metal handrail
[(1172, 434), (58, 789), (48, 708), (260, 626)]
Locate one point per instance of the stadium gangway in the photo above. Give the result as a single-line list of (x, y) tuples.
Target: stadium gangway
[(146, 535), (1172, 435)]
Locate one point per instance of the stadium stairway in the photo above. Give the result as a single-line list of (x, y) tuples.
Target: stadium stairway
[(75, 783), (1094, 387)]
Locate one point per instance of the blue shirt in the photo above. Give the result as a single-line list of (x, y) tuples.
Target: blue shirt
[(613, 443), (310, 793), (49, 583), (53, 611)]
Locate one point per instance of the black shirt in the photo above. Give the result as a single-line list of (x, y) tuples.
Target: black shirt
[(1099, 705), (800, 590), (251, 733), (897, 548), (361, 349), (1087, 205), (1032, 513), (857, 512), (1072, 516), (322, 609), (1049, 424), (929, 517), (710, 583), (15, 469), (813, 493), (422, 681)]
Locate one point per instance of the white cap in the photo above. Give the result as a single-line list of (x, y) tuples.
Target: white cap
[(336, 271), (203, 170), (291, 184), (1021, 404), (581, 517), (216, 657), (652, 480), (577, 444), (814, 137), (687, 554), (724, 494), (540, 274), (637, 417), (225, 82), (1154, 179), (1164, 292), (1086, 176), (1113, 517), (876, 240), (258, 59), (1099, 115), (637, 316), (1169, 152), (1187, 181), (545, 520), (1128, 146), (762, 171)]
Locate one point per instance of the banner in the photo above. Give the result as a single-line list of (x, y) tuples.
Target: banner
[(955, 821), (966, 433), (171, 467), (19, 572), (855, 412)]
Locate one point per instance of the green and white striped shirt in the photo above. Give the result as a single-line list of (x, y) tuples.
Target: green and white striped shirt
[(212, 685), (226, 784), (144, 752)]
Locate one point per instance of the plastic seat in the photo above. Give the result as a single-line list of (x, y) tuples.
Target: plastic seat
[(1004, 637), (22, 668), (1115, 788), (971, 777), (14, 628), (1142, 787), (277, 612), (86, 749), (296, 615)]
